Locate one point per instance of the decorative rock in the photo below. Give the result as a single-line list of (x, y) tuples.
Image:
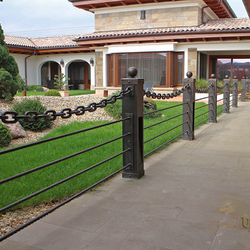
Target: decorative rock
[(15, 129)]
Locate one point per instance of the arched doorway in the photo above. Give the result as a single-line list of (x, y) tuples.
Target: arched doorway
[(79, 75), (48, 72)]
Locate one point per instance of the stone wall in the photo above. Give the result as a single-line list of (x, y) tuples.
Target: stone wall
[(193, 61), (156, 18), (99, 69)]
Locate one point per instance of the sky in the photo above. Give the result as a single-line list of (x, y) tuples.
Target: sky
[(41, 18)]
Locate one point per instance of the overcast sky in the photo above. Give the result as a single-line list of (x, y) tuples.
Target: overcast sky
[(40, 18)]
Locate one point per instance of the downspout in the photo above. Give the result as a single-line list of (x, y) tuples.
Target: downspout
[(25, 66), (208, 6)]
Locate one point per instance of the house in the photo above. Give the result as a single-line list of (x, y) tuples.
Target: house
[(162, 38)]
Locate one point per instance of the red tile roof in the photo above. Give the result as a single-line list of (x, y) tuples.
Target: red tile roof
[(219, 25), (230, 24)]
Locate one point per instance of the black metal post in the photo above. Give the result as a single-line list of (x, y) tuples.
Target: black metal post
[(132, 106), (212, 115), (247, 84), (235, 93), (243, 90), (226, 96), (188, 109)]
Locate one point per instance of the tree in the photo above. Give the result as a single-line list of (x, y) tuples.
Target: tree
[(8, 71), (61, 81)]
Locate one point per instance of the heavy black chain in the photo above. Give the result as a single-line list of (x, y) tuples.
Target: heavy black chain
[(204, 90), (222, 87), (51, 115), (166, 96)]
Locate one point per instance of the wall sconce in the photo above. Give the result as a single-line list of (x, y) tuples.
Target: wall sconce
[(91, 61), (62, 62)]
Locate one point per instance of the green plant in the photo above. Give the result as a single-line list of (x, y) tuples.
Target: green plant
[(21, 83), (52, 92), (115, 110), (33, 87), (201, 84), (39, 89), (5, 136), (32, 105), (8, 71), (61, 81), (149, 106)]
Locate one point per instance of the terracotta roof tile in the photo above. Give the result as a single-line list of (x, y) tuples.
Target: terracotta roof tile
[(19, 41), (43, 42), (55, 41), (229, 24)]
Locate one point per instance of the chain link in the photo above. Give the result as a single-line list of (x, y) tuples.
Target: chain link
[(222, 87), (165, 96), (204, 90), (51, 115)]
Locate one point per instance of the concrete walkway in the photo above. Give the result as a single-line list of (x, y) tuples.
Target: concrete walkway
[(193, 196)]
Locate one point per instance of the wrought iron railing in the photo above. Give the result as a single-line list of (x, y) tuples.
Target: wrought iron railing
[(132, 134)]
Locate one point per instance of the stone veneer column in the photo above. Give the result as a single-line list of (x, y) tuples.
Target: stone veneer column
[(99, 69), (193, 61)]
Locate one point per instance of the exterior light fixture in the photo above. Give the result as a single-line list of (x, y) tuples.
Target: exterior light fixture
[(62, 62), (91, 61)]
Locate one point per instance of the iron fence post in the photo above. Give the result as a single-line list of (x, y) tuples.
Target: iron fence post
[(247, 84), (212, 101), (226, 95), (188, 109), (235, 93), (243, 90), (132, 107)]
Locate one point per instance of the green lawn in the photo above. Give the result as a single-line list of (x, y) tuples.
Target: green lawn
[(71, 92), (29, 158)]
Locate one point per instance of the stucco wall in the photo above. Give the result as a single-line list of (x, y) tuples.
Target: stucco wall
[(155, 18), (34, 64)]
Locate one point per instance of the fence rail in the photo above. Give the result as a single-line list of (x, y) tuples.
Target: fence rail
[(132, 137)]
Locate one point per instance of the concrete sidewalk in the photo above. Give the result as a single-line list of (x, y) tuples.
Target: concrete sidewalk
[(193, 196)]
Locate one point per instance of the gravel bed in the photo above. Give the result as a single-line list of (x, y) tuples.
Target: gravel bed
[(14, 219), (57, 104)]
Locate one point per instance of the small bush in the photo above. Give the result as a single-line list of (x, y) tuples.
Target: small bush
[(5, 136), (33, 87), (115, 110), (201, 84), (39, 89), (149, 106), (32, 105), (52, 92)]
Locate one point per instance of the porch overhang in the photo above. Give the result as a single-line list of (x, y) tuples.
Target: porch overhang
[(221, 9), (45, 51)]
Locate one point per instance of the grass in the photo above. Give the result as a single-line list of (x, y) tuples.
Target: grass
[(71, 92), (29, 158)]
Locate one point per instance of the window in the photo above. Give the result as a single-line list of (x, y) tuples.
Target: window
[(232, 66), (153, 67), (143, 15)]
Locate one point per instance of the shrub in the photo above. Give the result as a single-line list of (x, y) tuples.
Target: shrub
[(33, 87), (21, 83), (61, 81), (201, 84), (32, 105), (5, 136), (52, 92), (8, 71), (39, 89), (115, 110), (149, 106)]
